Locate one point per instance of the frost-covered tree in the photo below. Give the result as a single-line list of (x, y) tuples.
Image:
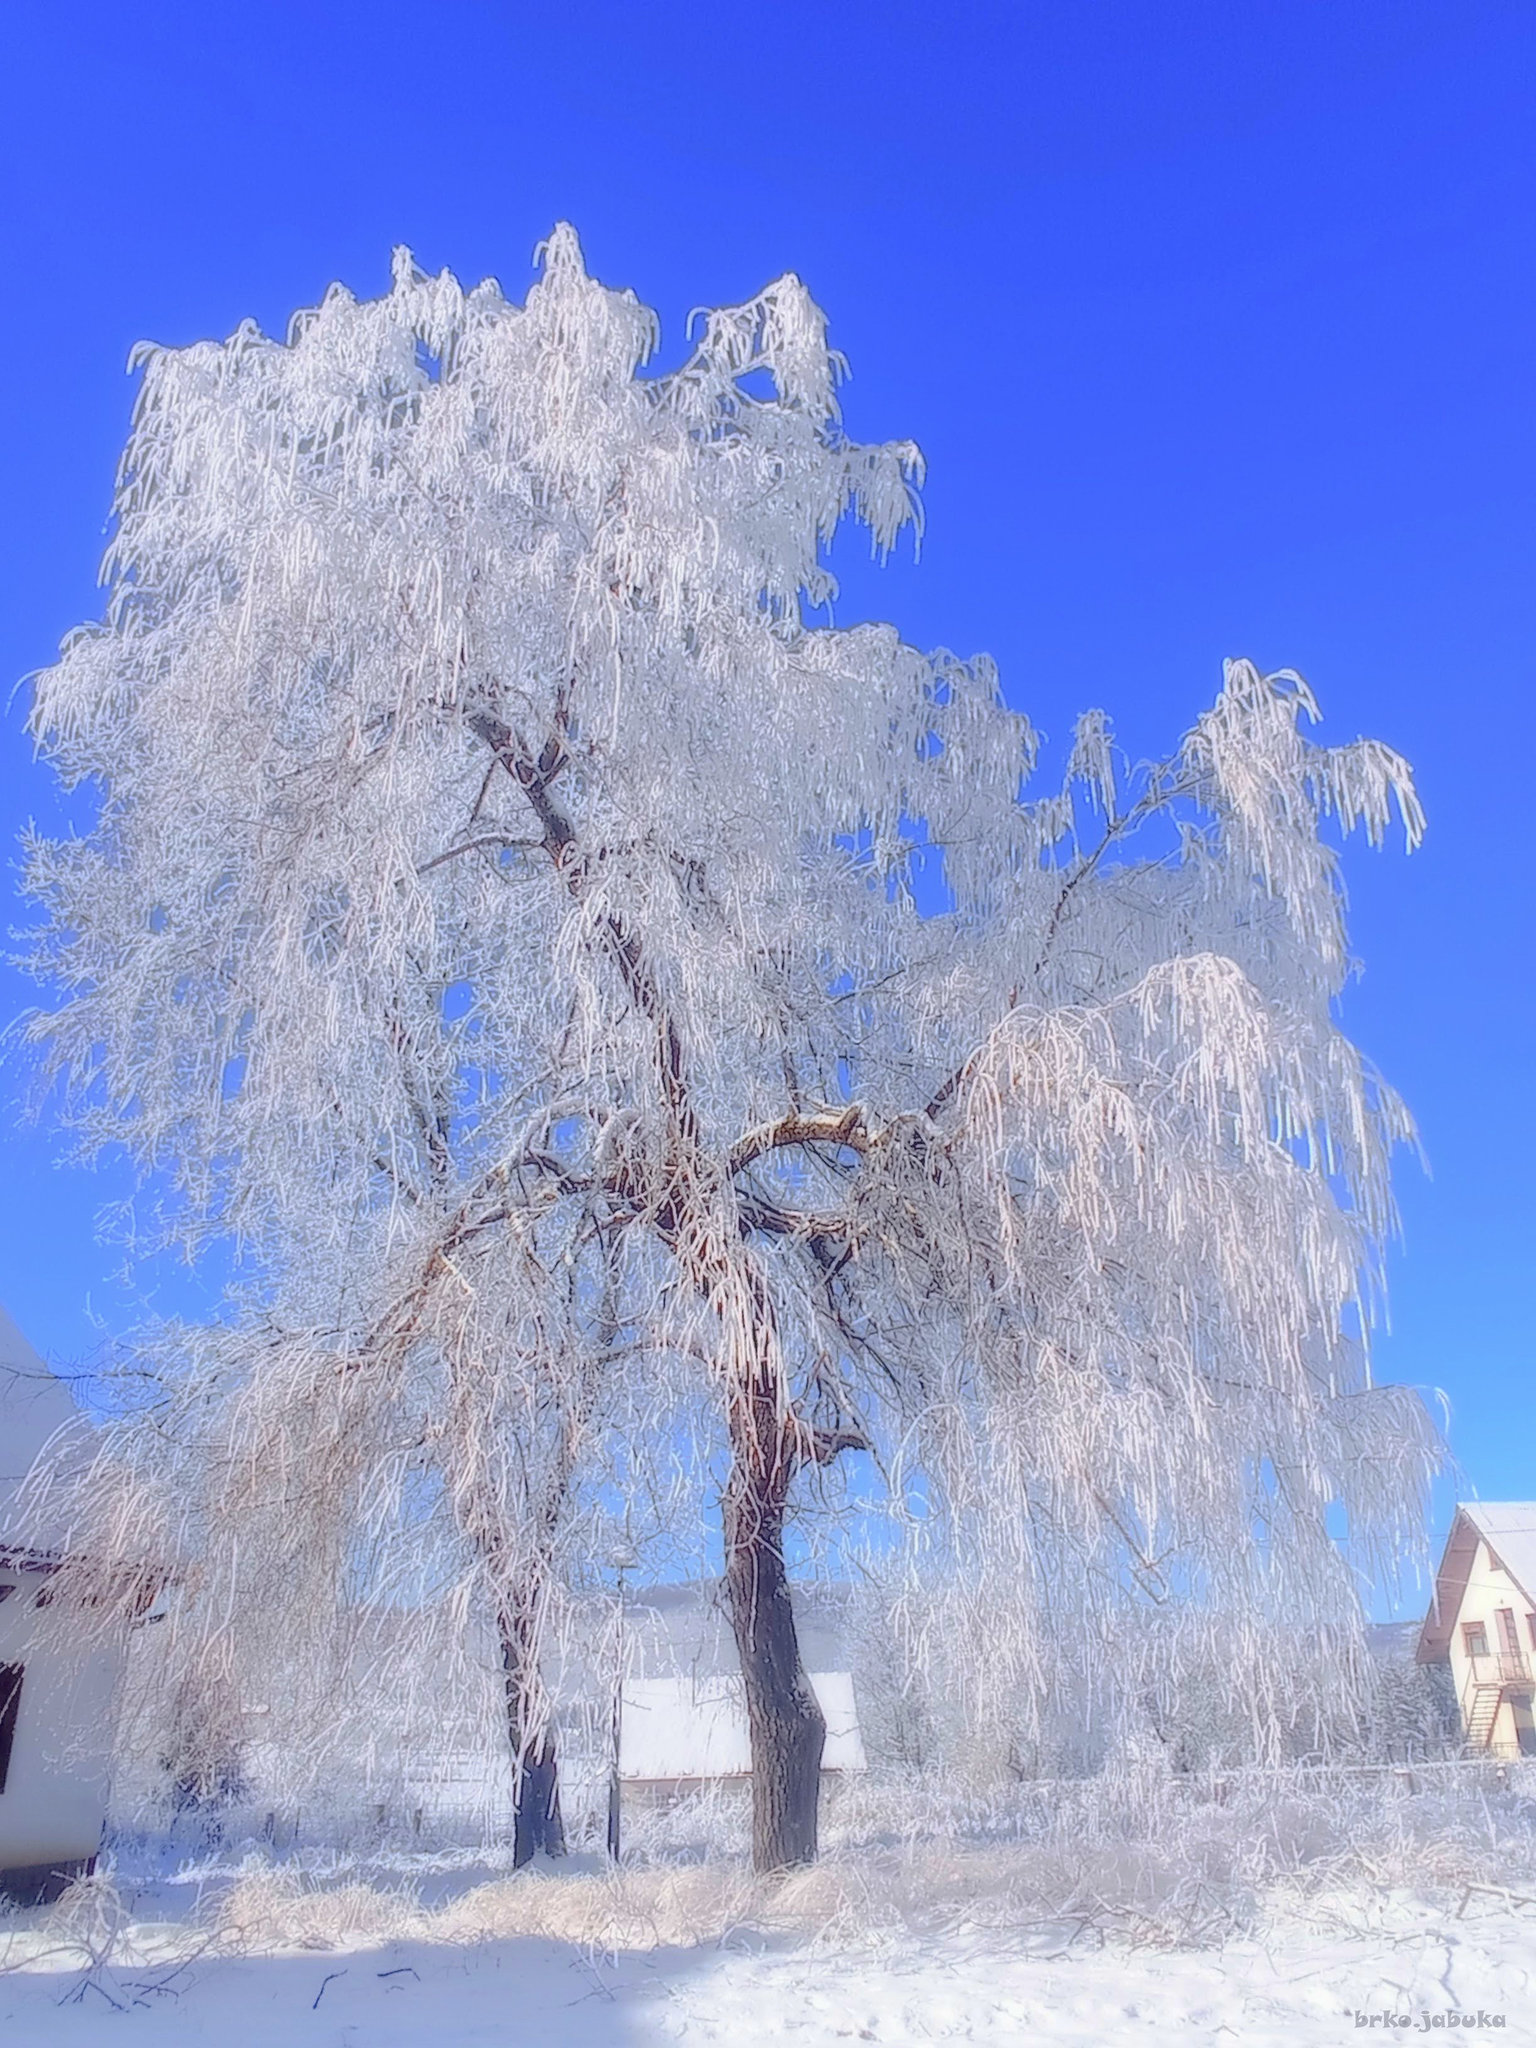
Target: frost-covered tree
[(501, 923)]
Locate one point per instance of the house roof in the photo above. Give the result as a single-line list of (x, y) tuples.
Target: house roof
[(1508, 1527), (35, 1405), (685, 1628)]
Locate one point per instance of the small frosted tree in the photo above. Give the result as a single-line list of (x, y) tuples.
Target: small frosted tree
[(501, 922)]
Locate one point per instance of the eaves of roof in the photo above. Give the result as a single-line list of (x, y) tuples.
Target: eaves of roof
[(1508, 1527)]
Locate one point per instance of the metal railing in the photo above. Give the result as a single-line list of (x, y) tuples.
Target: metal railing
[(1499, 1667)]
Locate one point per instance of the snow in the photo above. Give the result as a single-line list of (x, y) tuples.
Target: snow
[(1291, 1909), (1510, 1526), (1304, 1981)]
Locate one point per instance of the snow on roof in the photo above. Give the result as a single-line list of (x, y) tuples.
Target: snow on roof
[(35, 1405), (1508, 1527), (697, 1727), (685, 1626)]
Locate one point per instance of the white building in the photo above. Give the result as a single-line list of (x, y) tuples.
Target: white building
[(684, 1731), (684, 1719), (57, 1688), (1482, 1622)]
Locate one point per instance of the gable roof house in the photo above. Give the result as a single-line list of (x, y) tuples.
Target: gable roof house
[(1482, 1621), (58, 1681)]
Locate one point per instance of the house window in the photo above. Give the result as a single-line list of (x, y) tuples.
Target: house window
[(10, 1705), (1530, 1623), (1474, 1638), (1509, 1635)]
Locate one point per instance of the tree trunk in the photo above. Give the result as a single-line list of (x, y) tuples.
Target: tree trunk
[(788, 1732), (536, 1821), (786, 1725)]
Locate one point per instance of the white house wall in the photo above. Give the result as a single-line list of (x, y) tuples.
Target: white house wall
[(1489, 1588), (55, 1797), (685, 1728)]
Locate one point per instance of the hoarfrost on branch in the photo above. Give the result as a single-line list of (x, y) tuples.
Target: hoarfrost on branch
[(500, 924)]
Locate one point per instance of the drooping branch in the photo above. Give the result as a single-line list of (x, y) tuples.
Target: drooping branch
[(1163, 787)]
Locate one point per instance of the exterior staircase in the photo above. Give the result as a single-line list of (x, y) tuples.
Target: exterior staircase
[(1490, 1681), (1482, 1711)]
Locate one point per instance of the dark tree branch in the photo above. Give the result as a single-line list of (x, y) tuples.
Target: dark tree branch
[(534, 778), (843, 1127), (499, 840)]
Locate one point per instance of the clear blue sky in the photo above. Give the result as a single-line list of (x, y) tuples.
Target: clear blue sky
[(1214, 322)]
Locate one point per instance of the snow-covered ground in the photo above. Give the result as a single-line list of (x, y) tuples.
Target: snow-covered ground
[(1300, 1907), (309, 1968), (1293, 1987)]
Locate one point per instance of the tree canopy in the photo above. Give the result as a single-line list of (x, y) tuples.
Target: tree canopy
[(501, 922)]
